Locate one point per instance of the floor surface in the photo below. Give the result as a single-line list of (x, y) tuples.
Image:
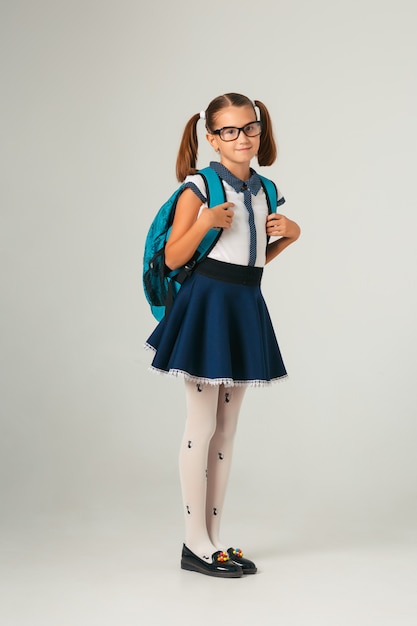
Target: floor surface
[(119, 574)]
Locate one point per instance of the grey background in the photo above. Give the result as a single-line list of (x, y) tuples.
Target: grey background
[(95, 97)]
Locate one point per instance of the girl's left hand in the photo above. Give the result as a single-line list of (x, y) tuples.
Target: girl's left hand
[(280, 226)]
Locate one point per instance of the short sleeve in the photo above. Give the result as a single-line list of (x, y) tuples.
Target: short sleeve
[(195, 182), (280, 198)]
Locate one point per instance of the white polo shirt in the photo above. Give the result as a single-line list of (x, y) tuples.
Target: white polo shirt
[(233, 245)]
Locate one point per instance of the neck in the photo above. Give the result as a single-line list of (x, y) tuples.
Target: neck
[(240, 170)]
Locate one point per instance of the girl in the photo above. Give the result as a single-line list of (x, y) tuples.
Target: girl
[(218, 334)]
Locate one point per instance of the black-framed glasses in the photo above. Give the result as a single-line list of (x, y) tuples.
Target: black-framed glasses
[(230, 133)]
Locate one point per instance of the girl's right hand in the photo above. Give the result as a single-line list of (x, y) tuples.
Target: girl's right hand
[(220, 216), (191, 224)]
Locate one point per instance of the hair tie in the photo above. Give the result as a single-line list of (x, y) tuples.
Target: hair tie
[(202, 115)]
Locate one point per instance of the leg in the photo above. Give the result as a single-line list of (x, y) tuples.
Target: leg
[(202, 401), (220, 458)]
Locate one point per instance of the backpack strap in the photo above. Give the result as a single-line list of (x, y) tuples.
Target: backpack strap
[(270, 192), (215, 195), (215, 190)]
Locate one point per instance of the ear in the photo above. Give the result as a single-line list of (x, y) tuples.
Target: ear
[(213, 141)]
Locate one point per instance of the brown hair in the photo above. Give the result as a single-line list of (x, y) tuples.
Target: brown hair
[(187, 153)]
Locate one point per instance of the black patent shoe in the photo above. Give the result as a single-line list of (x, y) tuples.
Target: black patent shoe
[(236, 555), (221, 565)]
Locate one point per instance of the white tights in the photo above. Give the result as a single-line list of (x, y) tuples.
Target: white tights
[(205, 461)]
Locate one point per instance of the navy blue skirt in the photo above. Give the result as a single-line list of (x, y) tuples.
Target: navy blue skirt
[(218, 331)]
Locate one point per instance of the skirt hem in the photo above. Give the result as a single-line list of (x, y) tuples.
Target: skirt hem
[(227, 382)]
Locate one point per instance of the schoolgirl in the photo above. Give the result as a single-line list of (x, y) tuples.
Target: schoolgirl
[(219, 335)]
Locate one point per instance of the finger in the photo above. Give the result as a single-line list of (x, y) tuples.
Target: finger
[(274, 217)]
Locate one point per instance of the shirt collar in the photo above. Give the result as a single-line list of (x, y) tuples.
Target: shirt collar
[(253, 183)]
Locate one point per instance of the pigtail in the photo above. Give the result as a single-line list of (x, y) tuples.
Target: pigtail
[(268, 148), (187, 153)]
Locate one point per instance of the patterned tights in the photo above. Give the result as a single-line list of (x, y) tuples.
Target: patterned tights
[(205, 461)]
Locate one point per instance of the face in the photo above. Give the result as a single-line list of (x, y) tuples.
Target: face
[(242, 150)]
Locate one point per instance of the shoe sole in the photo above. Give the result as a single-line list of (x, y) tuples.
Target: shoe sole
[(191, 566)]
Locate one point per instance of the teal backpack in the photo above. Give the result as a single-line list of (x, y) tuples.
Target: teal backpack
[(161, 284)]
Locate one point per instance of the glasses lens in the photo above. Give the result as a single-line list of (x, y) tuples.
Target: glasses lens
[(253, 130), (229, 133)]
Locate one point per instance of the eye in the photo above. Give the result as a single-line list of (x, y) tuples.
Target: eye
[(229, 131)]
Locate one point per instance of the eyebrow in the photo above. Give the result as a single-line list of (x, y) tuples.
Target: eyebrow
[(234, 126)]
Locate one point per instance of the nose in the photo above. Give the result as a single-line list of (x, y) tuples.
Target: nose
[(242, 138)]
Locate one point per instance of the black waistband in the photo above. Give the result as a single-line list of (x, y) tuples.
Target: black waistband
[(230, 272)]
